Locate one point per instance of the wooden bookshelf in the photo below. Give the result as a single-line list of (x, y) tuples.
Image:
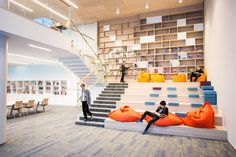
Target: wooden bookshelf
[(157, 39)]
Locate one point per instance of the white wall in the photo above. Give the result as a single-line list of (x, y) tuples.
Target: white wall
[(220, 57), (48, 72), (45, 72)]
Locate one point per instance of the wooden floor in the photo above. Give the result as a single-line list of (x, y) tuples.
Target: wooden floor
[(54, 134)]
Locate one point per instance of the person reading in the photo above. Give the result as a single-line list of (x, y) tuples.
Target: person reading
[(196, 74), (161, 112)]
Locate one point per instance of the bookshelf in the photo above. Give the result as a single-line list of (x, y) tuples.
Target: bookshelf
[(172, 42)]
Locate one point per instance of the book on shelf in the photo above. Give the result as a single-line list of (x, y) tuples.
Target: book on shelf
[(183, 55), (174, 63)]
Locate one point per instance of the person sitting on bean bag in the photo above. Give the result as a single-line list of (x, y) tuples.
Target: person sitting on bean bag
[(161, 112), (196, 74)]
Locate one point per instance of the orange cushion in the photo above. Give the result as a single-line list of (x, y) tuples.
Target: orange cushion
[(179, 78), (201, 118), (124, 114), (171, 119), (157, 78), (143, 77)]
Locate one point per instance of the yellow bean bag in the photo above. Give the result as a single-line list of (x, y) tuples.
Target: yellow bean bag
[(157, 78), (203, 77), (143, 77), (179, 78)]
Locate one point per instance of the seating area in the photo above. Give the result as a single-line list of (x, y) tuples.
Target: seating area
[(185, 100), (19, 108)]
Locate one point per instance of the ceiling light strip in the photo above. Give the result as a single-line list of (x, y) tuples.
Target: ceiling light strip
[(33, 58), (38, 47), (17, 63), (51, 10), (71, 4), (20, 5)]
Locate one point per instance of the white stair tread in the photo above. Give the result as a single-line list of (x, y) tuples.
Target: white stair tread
[(217, 133)]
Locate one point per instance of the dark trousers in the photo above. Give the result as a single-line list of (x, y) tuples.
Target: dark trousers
[(122, 77), (154, 118), (85, 108), (196, 75)]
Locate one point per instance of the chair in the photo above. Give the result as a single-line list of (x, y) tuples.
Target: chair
[(29, 105), (179, 78), (17, 106), (43, 104)]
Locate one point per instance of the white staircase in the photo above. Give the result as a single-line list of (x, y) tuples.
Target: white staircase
[(79, 68)]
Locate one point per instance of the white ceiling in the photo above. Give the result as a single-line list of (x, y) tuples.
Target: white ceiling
[(19, 46)]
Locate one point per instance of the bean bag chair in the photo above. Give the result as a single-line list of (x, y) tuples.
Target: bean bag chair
[(124, 114), (170, 120), (203, 77), (202, 118), (157, 78), (143, 77), (179, 78)]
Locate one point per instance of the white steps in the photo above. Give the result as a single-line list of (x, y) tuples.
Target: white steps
[(218, 133), (179, 98), (140, 105)]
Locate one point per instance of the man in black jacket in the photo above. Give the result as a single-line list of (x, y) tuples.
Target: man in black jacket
[(123, 72), (161, 111)]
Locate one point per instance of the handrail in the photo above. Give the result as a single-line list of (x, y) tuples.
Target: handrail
[(90, 73), (83, 36)]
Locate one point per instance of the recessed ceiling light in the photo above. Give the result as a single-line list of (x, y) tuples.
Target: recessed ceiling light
[(146, 5), (181, 1), (117, 11), (71, 4), (38, 47), (51, 10), (20, 5)]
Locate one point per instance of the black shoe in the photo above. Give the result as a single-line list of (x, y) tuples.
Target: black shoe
[(85, 120)]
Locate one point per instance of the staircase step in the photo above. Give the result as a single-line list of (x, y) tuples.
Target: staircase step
[(110, 95), (104, 102), (115, 86), (95, 119), (117, 83), (90, 123), (114, 89), (112, 92), (103, 106), (108, 98), (100, 114), (99, 109)]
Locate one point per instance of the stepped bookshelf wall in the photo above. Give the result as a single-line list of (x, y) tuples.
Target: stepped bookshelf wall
[(168, 44)]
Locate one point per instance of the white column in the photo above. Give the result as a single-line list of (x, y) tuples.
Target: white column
[(3, 84), (4, 4)]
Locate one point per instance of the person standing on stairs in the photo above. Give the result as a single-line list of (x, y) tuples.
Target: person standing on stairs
[(123, 71), (161, 112), (86, 101)]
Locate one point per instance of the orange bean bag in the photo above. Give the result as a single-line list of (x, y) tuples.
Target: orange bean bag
[(143, 77), (124, 114), (170, 120), (203, 77), (202, 118), (157, 78), (179, 78)]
